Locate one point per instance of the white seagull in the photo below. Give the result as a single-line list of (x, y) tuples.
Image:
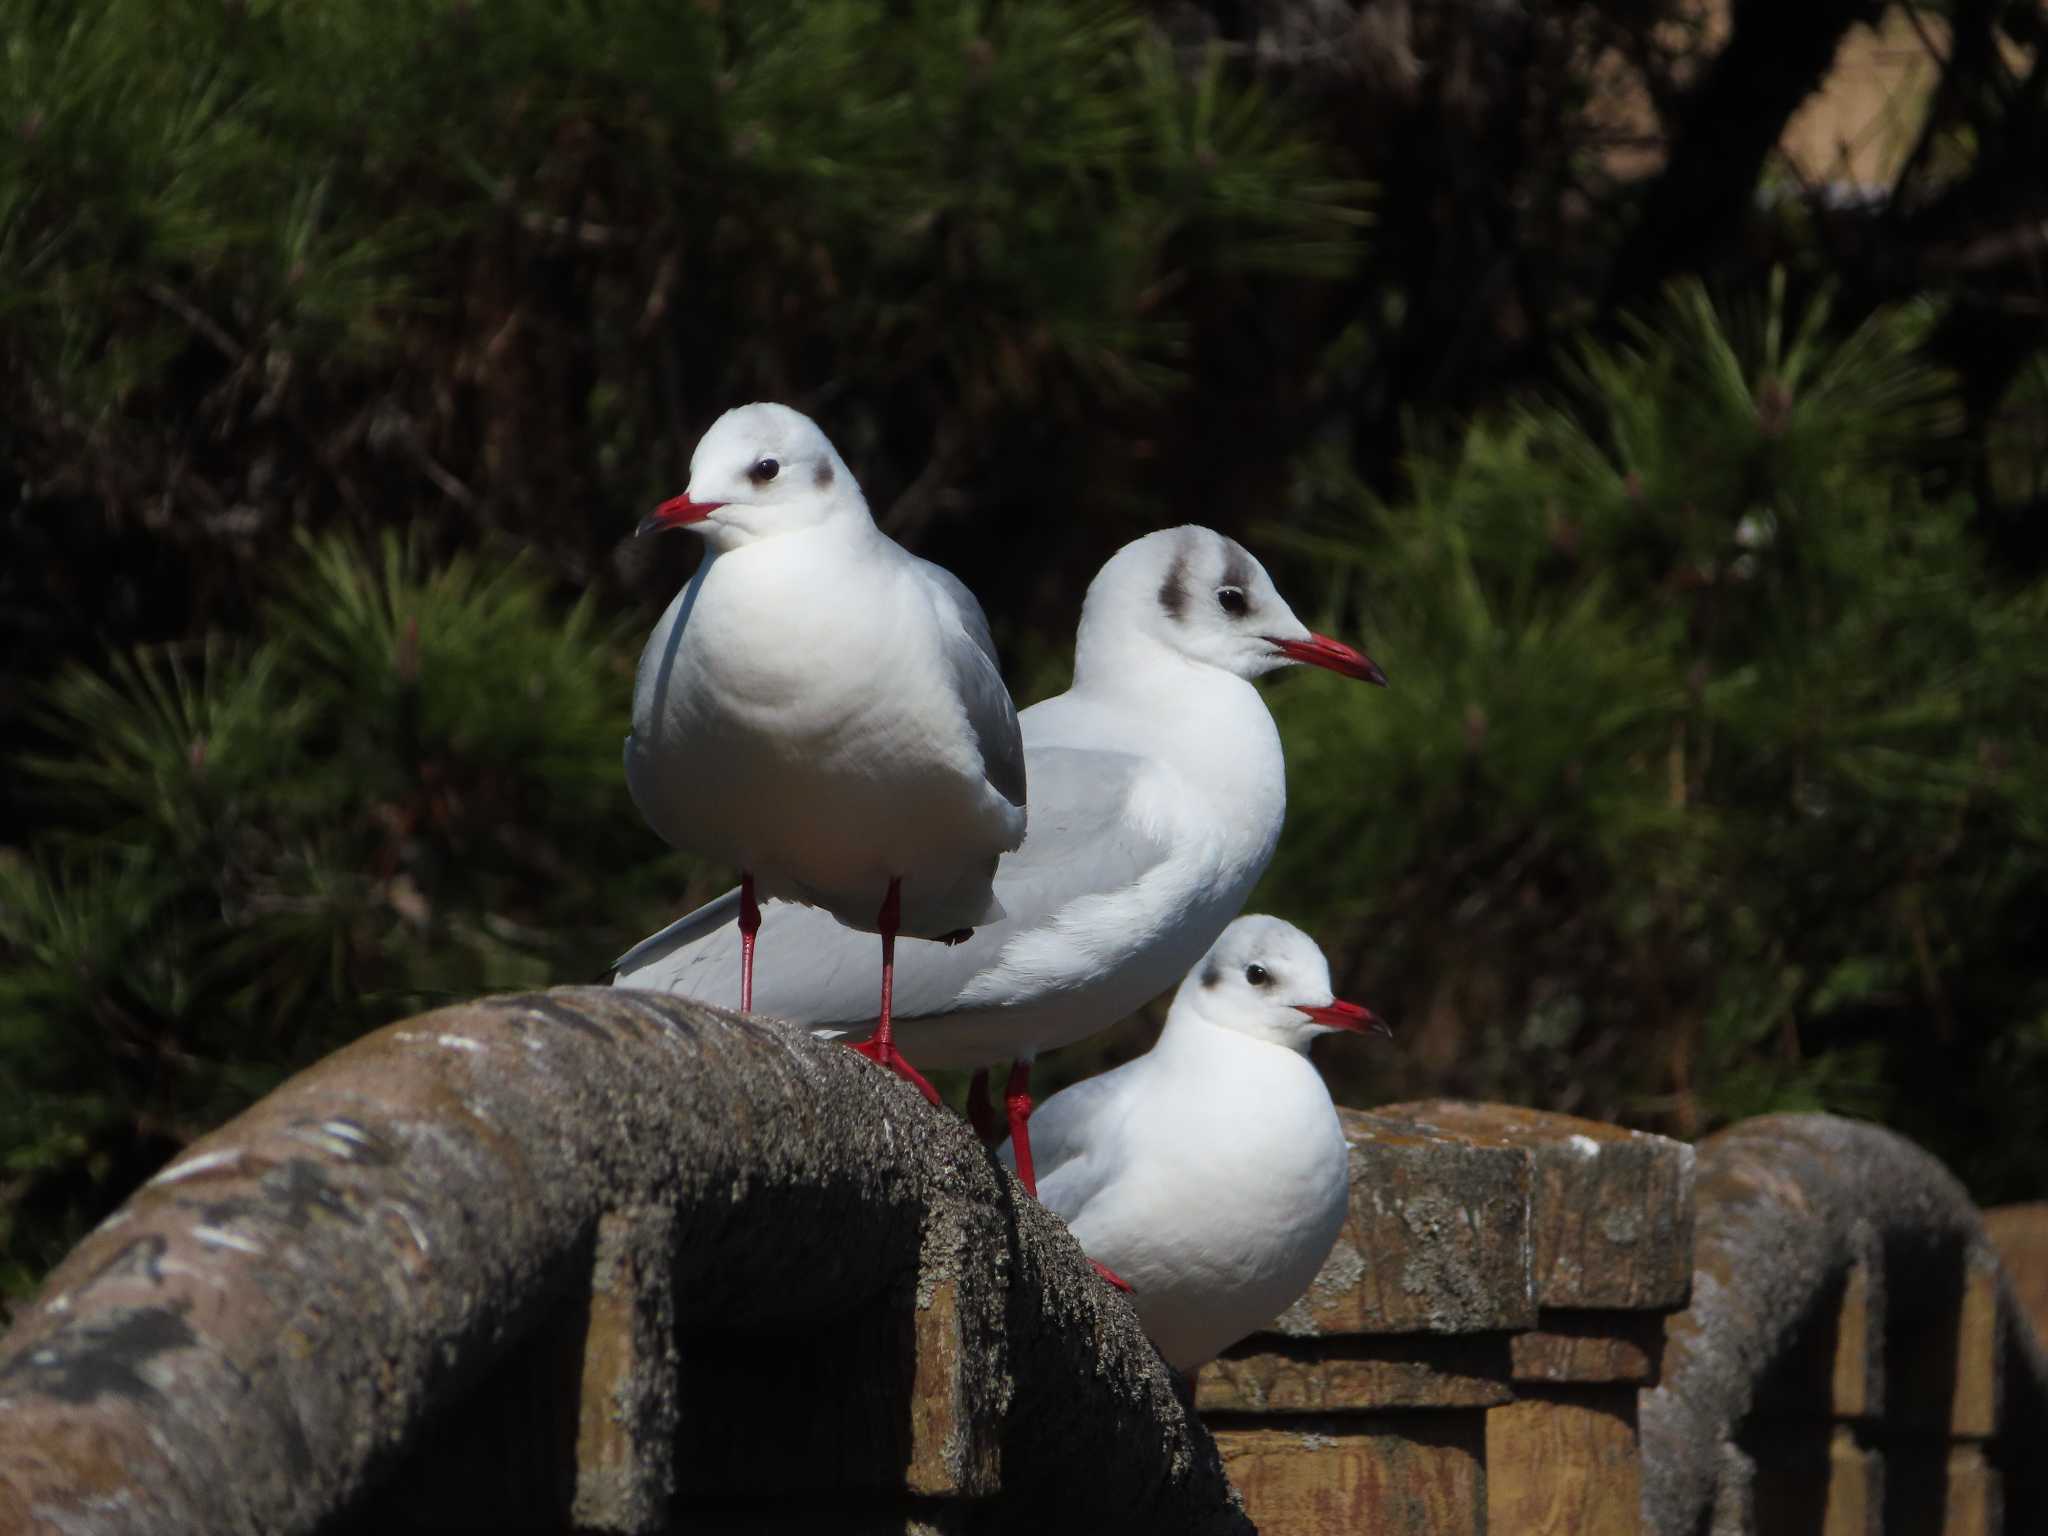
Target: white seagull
[(1211, 1173), (1157, 793), (823, 710)]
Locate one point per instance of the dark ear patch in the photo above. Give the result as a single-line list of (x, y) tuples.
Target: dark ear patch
[(1173, 591), (824, 474), (1210, 975)]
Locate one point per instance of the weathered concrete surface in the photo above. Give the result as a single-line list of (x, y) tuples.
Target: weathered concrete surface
[(1436, 1240), (1788, 1205), (266, 1330), (1396, 1474), (1610, 1218), (1589, 1347), (1364, 1374)]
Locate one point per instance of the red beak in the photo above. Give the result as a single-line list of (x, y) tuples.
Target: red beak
[(1322, 651), (1342, 1015), (677, 512)]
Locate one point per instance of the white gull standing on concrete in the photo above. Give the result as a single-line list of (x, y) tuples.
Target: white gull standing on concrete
[(1211, 1172), (1157, 793), (824, 711)]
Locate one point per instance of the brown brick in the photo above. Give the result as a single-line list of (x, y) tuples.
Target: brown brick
[(883, 1410), (1272, 1375), (2020, 1234), (953, 1450), (1835, 1368), (625, 1433), (1590, 1347), (1563, 1461), (1817, 1481), (1612, 1214), (1399, 1475), (1436, 1240), (835, 1517), (1945, 1367), (1943, 1491), (888, 1391), (575, 1422)]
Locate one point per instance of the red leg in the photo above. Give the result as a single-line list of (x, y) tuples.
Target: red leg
[(1111, 1276), (880, 1048), (750, 924), (979, 1115), (1017, 1100)]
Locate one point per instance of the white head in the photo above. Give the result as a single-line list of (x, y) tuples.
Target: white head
[(762, 470), (1203, 598), (1267, 979)]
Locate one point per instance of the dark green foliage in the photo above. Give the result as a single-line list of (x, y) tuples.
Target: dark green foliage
[(1710, 779), (501, 256), (404, 793)]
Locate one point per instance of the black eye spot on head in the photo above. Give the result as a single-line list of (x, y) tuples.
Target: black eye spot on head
[(1257, 975), (764, 471), (823, 477), (1233, 601), (1210, 975)]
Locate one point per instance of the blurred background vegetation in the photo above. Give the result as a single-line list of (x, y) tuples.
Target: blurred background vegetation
[(1658, 388)]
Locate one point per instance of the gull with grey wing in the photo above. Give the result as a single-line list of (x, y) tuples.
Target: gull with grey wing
[(823, 710), (1211, 1172), (1157, 794)]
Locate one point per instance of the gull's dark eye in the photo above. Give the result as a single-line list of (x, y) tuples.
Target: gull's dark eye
[(1257, 975), (1231, 601), (764, 471)]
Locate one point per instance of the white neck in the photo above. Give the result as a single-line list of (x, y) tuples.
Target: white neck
[(1212, 725), (1187, 1030)]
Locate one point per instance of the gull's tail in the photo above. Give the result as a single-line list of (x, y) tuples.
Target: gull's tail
[(685, 930)]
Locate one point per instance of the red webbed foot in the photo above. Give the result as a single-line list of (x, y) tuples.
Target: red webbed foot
[(1112, 1276), (885, 1055)]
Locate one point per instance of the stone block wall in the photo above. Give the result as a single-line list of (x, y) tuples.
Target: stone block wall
[(1857, 1359), (595, 1261), (1470, 1355)]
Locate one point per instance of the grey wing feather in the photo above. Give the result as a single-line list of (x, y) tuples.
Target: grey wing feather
[(687, 929), (1065, 1130), (978, 674), (814, 970)]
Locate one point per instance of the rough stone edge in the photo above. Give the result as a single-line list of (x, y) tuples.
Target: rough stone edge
[(249, 1344), (1785, 1204)]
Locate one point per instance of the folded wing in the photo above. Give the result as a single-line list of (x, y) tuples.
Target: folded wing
[(1082, 843), (978, 679)]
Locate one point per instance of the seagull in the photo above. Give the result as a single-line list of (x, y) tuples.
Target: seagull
[(1211, 1173), (823, 710), (1157, 793)]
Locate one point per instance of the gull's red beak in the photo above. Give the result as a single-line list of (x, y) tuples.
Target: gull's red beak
[(1335, 655), (677, 512), (1342, 1015)]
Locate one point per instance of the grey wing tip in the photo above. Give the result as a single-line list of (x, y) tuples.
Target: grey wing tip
[(685, 930)]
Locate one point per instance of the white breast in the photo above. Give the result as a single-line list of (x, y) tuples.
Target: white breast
[(1229, 1187), (795, 727)]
